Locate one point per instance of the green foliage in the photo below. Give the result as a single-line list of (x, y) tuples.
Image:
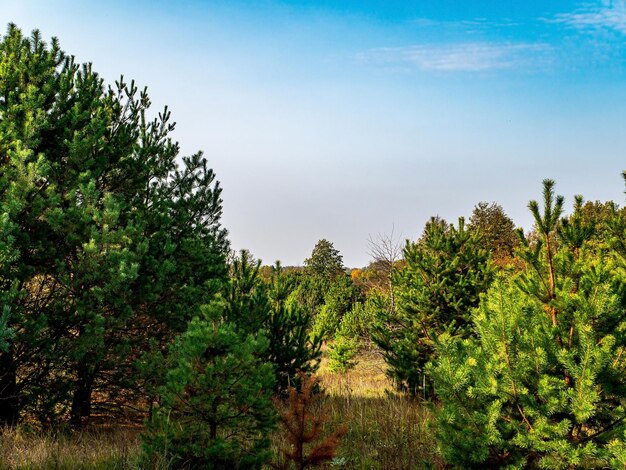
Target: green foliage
[(338, 301), (342, 352), (600, 216), (541, 384), (321, 271), (325, 261), (357, 321), (216, 409), (378, 306), (247, 304), (352, 334), (5, 332), (617, 451), (106, 241), (253, 306), (445, 273), (616, 230), (309, 292), (293, 349), (497, 231)]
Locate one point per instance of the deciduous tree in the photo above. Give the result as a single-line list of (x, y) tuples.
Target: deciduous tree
[(325, 260), (497, 231)]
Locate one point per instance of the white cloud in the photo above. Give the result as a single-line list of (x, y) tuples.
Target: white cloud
[(463, 57), (467, 25), (608, 15)]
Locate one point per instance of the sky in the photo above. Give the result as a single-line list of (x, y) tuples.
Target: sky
[(347, 119)]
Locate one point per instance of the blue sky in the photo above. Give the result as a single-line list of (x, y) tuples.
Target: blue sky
[(341, 120)]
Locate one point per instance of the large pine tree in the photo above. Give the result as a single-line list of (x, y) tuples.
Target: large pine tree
[(105, 239)]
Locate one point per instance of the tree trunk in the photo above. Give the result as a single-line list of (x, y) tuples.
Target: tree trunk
[(9, 405), (81, 401)]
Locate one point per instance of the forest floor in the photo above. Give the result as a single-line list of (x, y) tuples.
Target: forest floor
[(385, 430)]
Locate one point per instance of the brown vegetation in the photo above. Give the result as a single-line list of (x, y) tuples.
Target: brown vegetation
[(304, 419), (94, 448)]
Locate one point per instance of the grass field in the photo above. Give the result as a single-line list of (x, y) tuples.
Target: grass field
[(386, 431), (96, 448)]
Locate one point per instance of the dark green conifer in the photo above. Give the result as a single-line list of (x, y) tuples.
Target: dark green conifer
[(445, 273), (216, 410), (106, 241), (254, 306)]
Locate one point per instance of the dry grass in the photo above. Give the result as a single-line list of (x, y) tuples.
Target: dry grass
[(367, 379), (386, 430), (98, 448)]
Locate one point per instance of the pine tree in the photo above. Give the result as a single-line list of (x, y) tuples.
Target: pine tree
[(254, 306), (342, 352), (353, 334), (320, 272), (293, 348), (247, 304), (304, 420), (105, 240), (541, 384), (445, 273), (339, 299), (216, 410)]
